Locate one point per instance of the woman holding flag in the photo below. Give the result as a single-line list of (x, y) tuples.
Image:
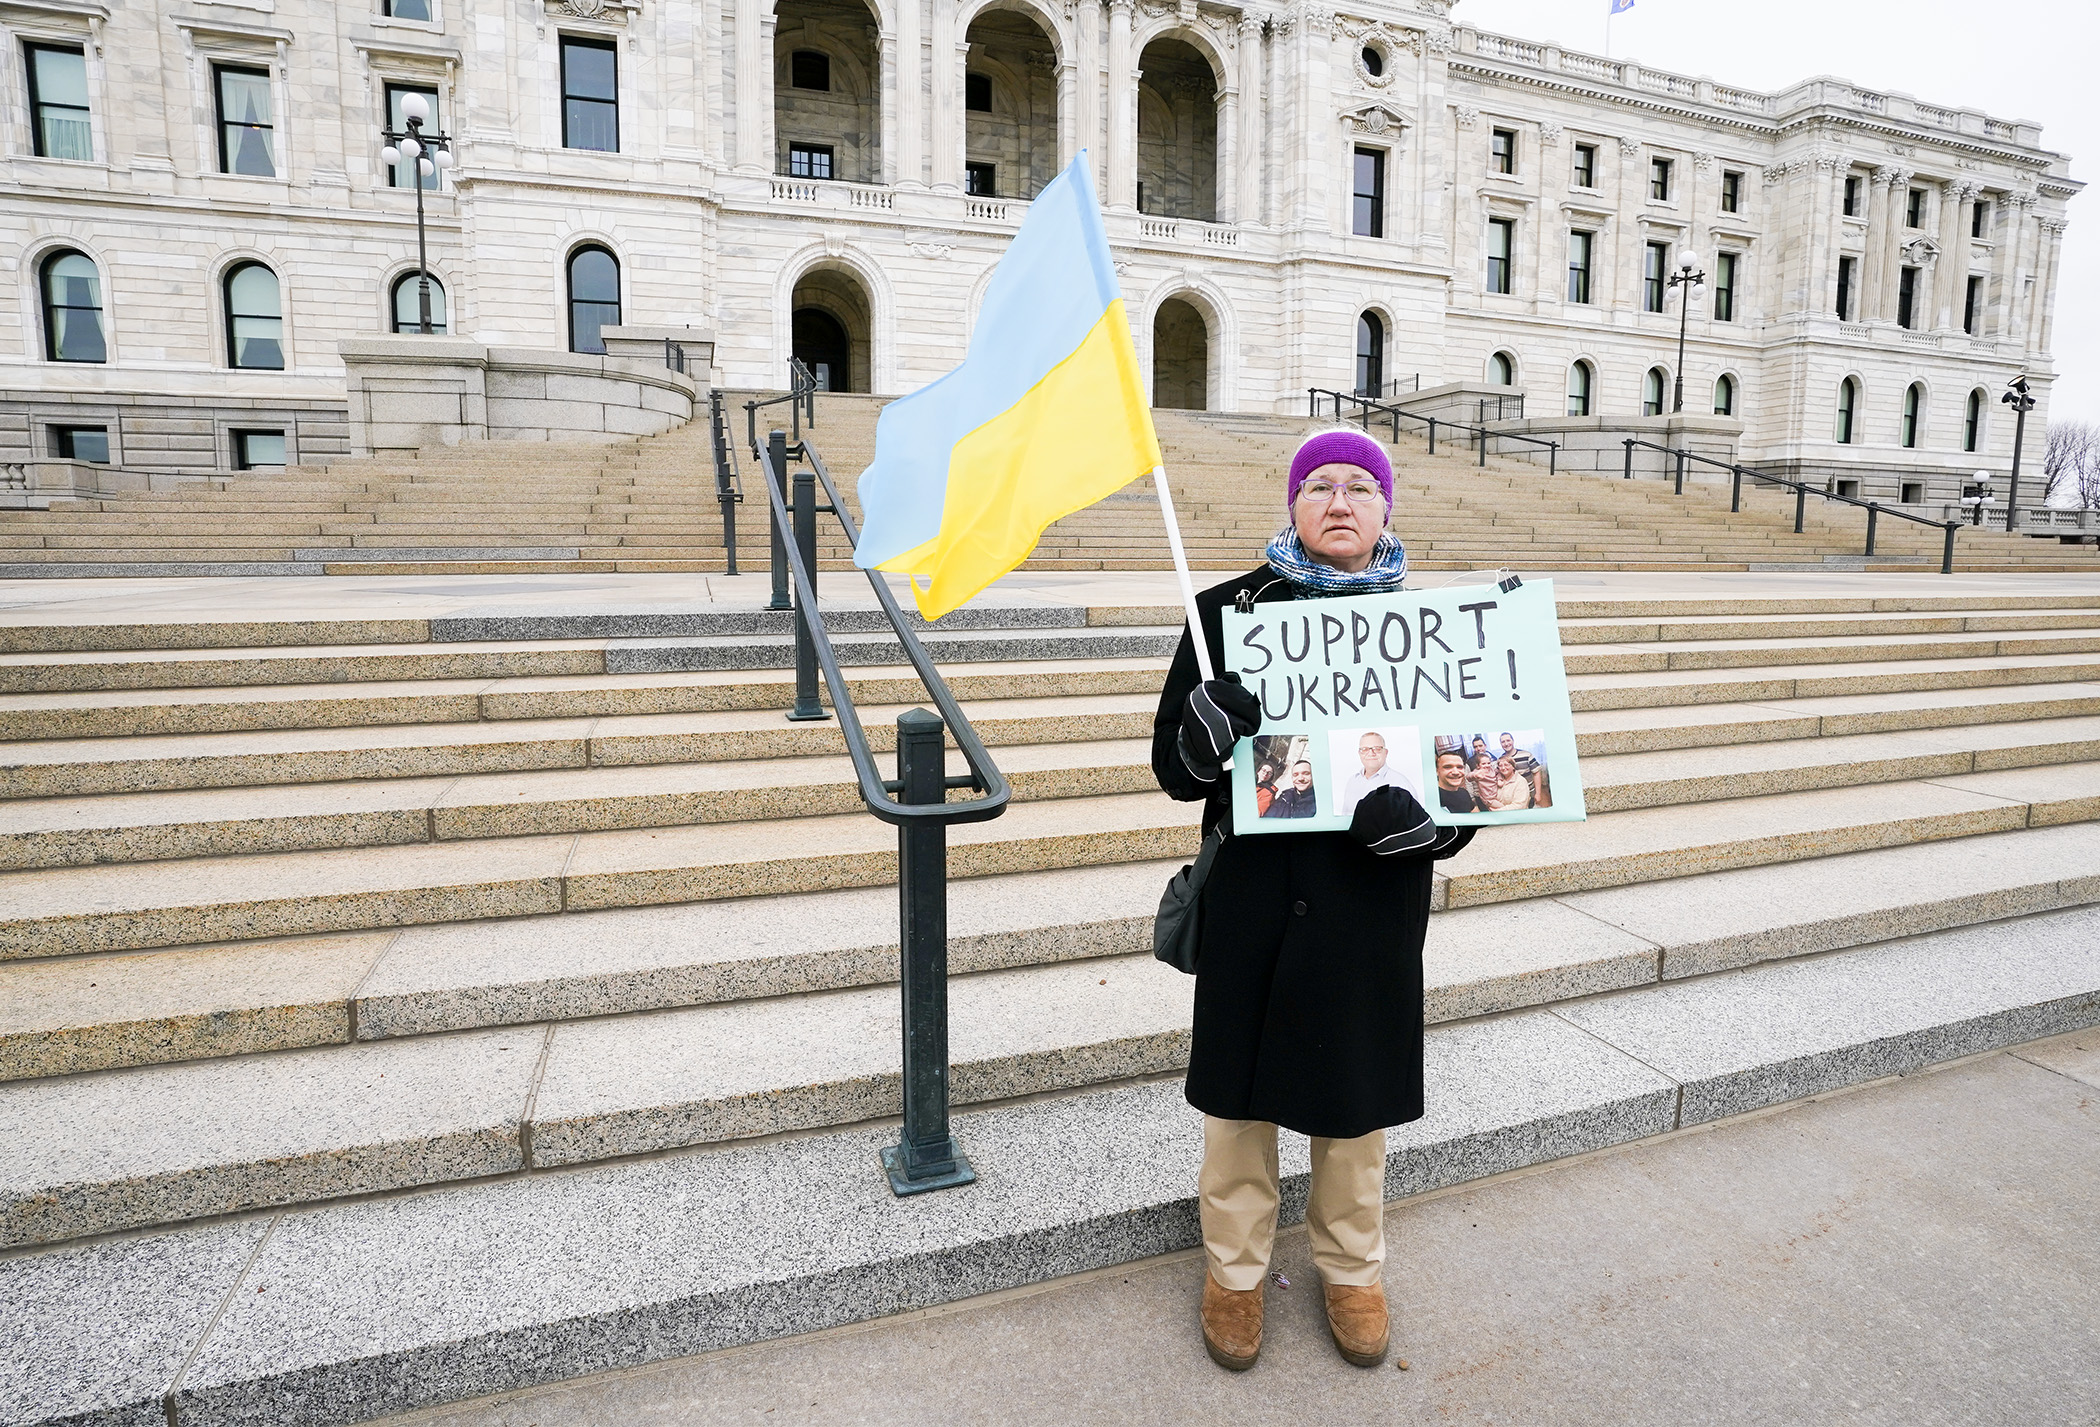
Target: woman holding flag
[(1309, 976)]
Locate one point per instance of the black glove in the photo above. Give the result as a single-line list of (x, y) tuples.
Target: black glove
[(1218, 714), (1389, 821)]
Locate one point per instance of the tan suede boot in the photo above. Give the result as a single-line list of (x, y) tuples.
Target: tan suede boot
[(1231, 1324), (1357, 1319)]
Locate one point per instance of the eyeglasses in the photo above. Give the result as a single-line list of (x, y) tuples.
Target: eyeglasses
[(1321, 492)]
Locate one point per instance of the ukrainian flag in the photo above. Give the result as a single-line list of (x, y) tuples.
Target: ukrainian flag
[(1045, 416)]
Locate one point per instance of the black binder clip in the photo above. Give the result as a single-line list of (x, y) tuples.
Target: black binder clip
[(1506, 585)]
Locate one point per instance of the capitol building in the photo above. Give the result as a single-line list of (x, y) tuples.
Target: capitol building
[(196, 214)]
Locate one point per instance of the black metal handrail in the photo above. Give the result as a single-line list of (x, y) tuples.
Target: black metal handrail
[(1366, 408), (801, 396), (926, 1155), (1802, 491), (729, 486)]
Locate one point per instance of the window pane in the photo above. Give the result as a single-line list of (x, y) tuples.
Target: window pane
[(258, 448), (1500, 370), (1585, 166), (73, 310), (254, 318), (82, 443), (589, 72), (809, 69), (409, 9), (590, 97), (1579, 267), (408, 310), (244, 117), (1579, 390), (397, 175), (58, 83), (1724, 397), (594, 298), (1367, 217)]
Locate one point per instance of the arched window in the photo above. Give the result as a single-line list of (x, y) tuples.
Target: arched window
[(1913, 406), (408, 305), (73, 309), (1972, 423), (594, 297), (1848, 408), (1580, 380), (1502, 369), (1724, 396), (1370, 355), (254, 318), (1652, 390)]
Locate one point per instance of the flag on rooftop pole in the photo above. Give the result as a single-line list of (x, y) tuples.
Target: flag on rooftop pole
[(1618, 5), (1046, 415)]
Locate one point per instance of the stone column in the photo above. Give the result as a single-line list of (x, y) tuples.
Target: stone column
[(948, 53), (754, 88), (1226, 209), (1468, 208), (2042, 322), (1631, 248), (2019, 222), (909, 166), (1250, 208), (1824, 227), (1315, 130), (1892, 244), (1122, 109), (1954, 244), (1866, 298)]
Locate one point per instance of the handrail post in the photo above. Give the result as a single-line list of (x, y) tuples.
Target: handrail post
[(1947, 551), (807, 705), (725, 493), (776, 472), (1680, 472), (1735, 495), (1873, 510), (1553, 458), (1800, 506), (926, 1155), (1482, 432), (1432, 434), (1629, 458)]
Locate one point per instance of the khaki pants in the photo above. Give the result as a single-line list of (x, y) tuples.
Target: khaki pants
[(1238, 1194)]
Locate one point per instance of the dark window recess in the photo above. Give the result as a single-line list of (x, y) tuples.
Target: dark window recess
[(1585, 165), (1370, 355), (1850, 488), (254, 318), (809, 161), (594, 297), (1581, 246), (1652, 392), (1367, 204), (822, 344), (1907, 298), (247, 138), (1655, 280), (981, 180), (73, 310), (81, 443), (1502, 149), (1980, 219), (1502, 369), (1141, 196), (1579, 389), (1502, 247), (590, 95), (1972, 306), (59, 127), (1852, 196), (1659, 180), (1725, 265), (1724, 396), (257, 450), (1913, 493), (1845, 270), (1972, 423), (1731, 192), (1374, 62), (977, 93), (1913, 401), (1914, 210), (810, 69), (1848, 405)]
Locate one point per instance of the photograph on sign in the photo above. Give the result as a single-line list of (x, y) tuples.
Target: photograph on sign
[(1457, 696)]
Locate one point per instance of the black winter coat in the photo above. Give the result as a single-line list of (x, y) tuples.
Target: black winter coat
[(1309, 976)]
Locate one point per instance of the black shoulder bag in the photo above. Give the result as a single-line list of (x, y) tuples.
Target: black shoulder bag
[(1177, 932)]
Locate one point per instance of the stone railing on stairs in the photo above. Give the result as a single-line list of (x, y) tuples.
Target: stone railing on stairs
[(410, 392)]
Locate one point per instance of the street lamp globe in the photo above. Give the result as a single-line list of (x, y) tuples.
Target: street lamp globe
[(1690, 259), (443, 158), (410, 148), (415, 106), (390, 155)]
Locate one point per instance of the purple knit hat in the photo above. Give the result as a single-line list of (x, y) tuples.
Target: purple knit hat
[(1351, 448)]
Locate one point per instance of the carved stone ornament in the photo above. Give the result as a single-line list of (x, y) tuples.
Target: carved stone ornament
[(1437, 40), (612, 11), (1549, 132), (1375, 119), (1828, 162), (931, 249), (1158, 9), (1921, 250), (1629, 147), (1704, 162), (1467, 116), (1319, 21)]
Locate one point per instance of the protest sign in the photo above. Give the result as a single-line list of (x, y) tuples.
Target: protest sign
[(1456, 695)]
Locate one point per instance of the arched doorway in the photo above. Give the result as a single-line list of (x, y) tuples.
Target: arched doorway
[(1010, 146), (1177, 138), (1180, 357), (830, 326), (827, 81)]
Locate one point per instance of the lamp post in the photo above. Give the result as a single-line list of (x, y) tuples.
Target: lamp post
[(426, 153), (2018, 398), (1978, 497), (1687, 277)]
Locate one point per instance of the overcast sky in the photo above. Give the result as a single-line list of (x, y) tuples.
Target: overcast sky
[(2038, 61)]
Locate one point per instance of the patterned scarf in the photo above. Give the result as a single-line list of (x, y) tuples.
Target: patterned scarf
[(1385, 573)]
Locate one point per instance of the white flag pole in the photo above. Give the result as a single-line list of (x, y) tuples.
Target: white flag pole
[(1181, 571)]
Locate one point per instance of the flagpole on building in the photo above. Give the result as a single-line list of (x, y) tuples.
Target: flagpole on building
[(1181, 571)]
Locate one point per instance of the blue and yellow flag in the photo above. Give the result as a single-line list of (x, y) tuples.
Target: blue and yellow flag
[(1045, 416)]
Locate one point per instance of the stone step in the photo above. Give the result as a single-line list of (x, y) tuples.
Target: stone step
[(101, 1012), (140, 827), (537, 1276), (1739, 684)]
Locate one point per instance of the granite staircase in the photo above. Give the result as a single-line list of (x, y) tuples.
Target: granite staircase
[(648, 505), (396, 1011)]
